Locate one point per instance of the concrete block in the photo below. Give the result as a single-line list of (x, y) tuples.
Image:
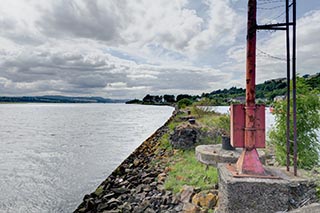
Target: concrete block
[(258, 194), (214, 154)]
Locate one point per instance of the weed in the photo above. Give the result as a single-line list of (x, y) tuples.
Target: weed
[(186, 170)]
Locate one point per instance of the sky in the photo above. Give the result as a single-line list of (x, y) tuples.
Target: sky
[(126, 49)]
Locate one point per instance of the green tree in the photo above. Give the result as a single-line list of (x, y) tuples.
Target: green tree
[(184, 103), (308, 121)]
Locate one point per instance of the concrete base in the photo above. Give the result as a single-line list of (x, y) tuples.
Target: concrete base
[(312, 208), (262, 195), (214, 154)]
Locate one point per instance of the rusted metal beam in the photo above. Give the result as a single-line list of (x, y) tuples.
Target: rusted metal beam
[(295, 149), (274, 25), (270, 28), (288, 87), (248, 162)]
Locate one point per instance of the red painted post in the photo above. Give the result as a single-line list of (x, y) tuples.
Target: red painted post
[(248, 162), (250, 76)]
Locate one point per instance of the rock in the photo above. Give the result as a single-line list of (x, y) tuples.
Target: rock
[(86, 197), (153, 184), (167, 169), (190, 208), (113, 200), (142, 207), (112, 211), (149, 210), (90, 204), (139, 188), (120, 190), (184, 136), (205, 200), (136, 185), (175, 200), (124, 183), (141, 196), (82, 210), (103, 206), (314, 207), (147, 180), (186, 193), (136, 162), (126, 207), (99, 191), (147, 188), (178, 208), (108, 196), (162, 177)]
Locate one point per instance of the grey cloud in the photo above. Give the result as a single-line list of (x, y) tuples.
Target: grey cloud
[(7, 24), (179, 79), (84, 19), (93, 73), (12, 30), (60, 72)]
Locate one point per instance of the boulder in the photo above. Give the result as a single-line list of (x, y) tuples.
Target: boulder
[(184, 136), (186, 194), (205, 200), (190, 208)]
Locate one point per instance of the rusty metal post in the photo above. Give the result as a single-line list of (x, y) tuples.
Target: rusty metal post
[(250, 76), (288, 85), (248, 162), (294, 88)]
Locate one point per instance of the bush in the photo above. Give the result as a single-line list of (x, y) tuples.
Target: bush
[(308, 121), (224, 124), (203, 107), (184, 103)]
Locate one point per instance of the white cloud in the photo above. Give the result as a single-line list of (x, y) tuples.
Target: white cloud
[(122, 48)]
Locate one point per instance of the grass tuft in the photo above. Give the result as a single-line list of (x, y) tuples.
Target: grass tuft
[(186, 170)]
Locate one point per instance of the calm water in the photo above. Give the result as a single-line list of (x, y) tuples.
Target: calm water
[(270, 119), (53, 154)]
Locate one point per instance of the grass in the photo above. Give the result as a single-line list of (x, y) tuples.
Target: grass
[(183, 167), (186, 170), (164, 142)]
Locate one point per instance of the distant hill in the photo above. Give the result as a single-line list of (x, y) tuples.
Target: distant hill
[(58, 99), (265, 93)]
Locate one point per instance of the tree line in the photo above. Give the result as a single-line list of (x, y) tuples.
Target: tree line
[(266, 92)]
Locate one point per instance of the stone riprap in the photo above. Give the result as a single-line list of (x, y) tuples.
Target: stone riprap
[(136, 185)]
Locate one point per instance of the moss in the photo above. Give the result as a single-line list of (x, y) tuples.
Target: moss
[(99, 191), (164, 142)]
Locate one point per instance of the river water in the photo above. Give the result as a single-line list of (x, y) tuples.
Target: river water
[(51, 155), (270, 118)]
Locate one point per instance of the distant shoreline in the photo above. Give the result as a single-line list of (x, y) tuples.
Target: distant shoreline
[(57, 99)]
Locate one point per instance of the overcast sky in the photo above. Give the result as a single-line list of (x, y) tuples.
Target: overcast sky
[(129, 48)]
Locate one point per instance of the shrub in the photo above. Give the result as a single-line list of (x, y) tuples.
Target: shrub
[(308, 121), (184, 103), (224, 124)]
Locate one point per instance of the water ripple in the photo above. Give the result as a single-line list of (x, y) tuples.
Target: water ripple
[(53, 154)]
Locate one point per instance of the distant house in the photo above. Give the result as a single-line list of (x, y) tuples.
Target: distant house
[(261, 100), (276, 80), (279, 98), (240, 99)]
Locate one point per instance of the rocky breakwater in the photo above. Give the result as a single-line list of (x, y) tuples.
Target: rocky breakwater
[(137, 184)]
